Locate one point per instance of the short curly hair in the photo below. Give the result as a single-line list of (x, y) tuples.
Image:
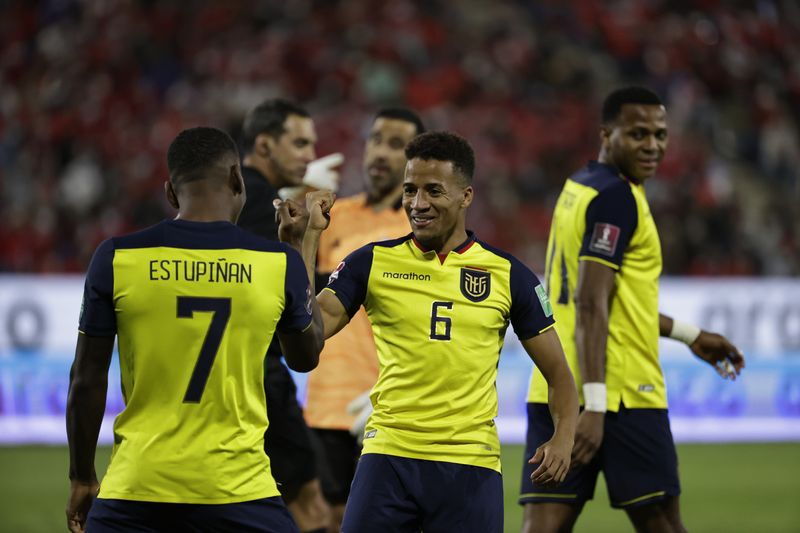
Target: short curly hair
[(195, 150), (444, 146), (612, 105)]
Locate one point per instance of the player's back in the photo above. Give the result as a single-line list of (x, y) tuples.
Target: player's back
[(196, 305)]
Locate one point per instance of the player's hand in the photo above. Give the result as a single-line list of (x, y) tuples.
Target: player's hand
[(553, 458), (361, 408), (588, 437), (718, 352), (81, 495), (318, 205), (292, 218)]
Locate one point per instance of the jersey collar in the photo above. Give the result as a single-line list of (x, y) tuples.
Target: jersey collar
[(460, 249), (614, 170)]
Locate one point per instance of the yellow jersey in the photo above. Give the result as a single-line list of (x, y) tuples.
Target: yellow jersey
[(194, 306), (439, 323), (601, 216)]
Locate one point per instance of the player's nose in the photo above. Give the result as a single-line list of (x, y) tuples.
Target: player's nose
[(419, 202)]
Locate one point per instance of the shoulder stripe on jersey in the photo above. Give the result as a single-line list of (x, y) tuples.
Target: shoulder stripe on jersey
[(390, 243)]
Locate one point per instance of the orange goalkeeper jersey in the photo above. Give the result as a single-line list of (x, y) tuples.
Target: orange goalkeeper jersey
[(348, 365)]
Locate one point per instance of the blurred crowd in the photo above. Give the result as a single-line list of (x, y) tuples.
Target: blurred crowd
[(93, 91)]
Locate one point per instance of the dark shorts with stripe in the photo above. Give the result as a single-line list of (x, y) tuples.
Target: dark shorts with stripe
[(637, 458), (288, 438), (267, 515), (338, 452), (394, 494)]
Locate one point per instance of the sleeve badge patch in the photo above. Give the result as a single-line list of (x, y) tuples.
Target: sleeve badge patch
[(604, 239), (544, 300), (335, 274)]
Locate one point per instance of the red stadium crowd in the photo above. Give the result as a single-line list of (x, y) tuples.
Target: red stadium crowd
[(91, 93)]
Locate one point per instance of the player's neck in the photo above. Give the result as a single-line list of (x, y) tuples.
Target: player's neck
[(263, 167), (380, 202), (204, 210), (448, 244), (606, 159)]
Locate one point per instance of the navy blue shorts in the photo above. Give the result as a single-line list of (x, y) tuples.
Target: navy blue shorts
[(268, 515), (395, 494), (637, 457)]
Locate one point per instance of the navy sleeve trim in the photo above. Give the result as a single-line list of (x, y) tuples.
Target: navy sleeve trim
[(611, 220), (531, 312), (97, 316), (297, 311), (350, 279)]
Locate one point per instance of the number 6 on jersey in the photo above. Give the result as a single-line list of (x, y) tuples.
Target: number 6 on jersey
[(439, 323)]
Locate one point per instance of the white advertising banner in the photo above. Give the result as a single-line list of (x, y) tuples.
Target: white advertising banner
[(38, 328)]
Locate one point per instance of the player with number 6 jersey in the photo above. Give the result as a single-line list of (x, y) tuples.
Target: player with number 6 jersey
[(440, 301)]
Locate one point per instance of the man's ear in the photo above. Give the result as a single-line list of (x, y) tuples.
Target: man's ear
[(605, 135), (468, 193), (235, 180), (263, 145), (172, 196)]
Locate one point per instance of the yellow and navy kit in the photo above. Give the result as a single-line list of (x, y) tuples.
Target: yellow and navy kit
[(194, 305), (439, 323), (601, 216)]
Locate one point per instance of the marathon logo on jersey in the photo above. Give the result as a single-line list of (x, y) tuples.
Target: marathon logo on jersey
[(604, 239), (335, 274), (475, 284)]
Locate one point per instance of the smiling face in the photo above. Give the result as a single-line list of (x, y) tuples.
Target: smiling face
[(636, 141), (435, 198)]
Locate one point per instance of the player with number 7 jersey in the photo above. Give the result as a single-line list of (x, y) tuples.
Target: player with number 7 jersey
[(194, 303)]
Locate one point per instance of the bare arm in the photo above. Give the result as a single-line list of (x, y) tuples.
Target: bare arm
[(592, 300), (548, 355), (592, 296), (86, 404), (714, 349), (334, 314)]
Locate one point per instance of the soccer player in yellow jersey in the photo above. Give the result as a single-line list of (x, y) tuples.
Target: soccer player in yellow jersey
[(440, 301), (337, 399), (194, 303), (603, 265)]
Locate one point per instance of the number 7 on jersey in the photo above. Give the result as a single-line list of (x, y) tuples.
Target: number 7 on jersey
[(221, 312)]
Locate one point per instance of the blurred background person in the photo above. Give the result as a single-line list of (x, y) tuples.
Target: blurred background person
[(279, 140)]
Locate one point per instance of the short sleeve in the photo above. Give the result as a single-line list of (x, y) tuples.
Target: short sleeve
[(531, 312), (610, 222), (349, 280), (97, 317), (297, 311)]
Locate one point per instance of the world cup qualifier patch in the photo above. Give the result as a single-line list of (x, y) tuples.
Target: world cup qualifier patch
[(604, 239), (335, 274), (475, 284)]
